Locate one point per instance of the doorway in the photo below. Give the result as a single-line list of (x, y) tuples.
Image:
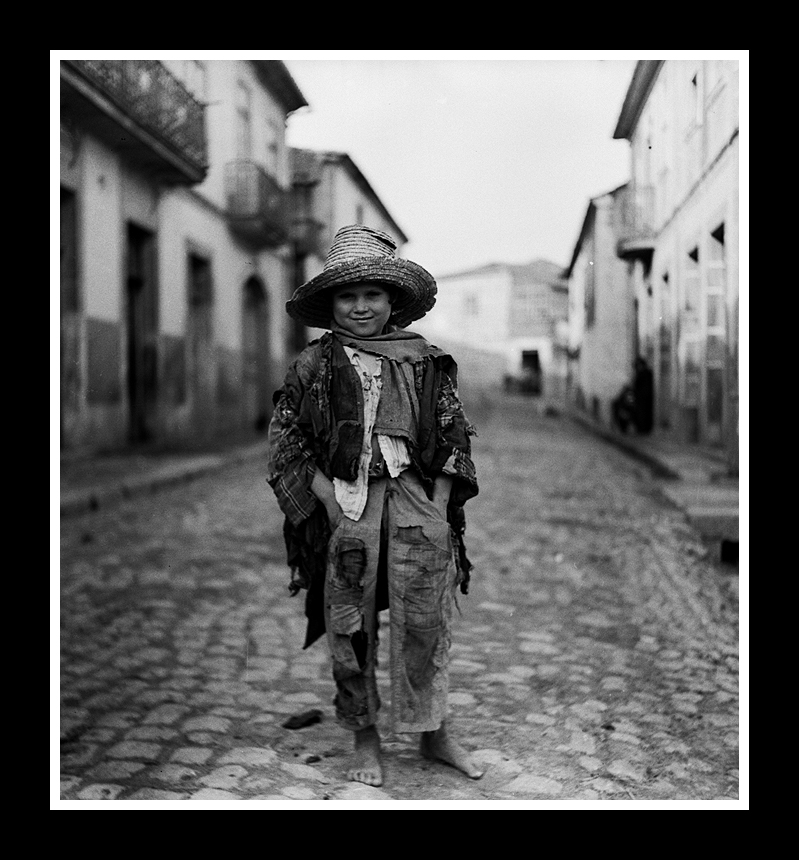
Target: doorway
[(255, 355), (531, 372), (70, 319), (716, 338), (664, 382), (200, 337), (142, 325)]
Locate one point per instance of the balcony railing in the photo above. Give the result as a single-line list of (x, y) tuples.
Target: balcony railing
[(636, 221), (257, 206), (143, 109)]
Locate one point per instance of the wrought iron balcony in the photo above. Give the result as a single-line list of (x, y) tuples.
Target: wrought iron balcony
[(636, 222), (257, 207), (142, 110)]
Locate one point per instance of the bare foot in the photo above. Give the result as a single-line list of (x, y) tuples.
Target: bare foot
[(367, 767), (438, 745)]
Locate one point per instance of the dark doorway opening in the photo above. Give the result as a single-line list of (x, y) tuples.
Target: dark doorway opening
[(200, 336), (255, 355), (531, 372), (142, 325), (70, 319)]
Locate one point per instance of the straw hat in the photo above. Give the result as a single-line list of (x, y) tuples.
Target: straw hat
[(359, 254)]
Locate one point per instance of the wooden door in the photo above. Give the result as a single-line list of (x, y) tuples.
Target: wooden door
[(200, 335), (255, 355), (142, 331)]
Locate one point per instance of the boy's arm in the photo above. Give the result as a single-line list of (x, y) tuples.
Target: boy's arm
[(442, 487), (291, 466), (322, 488), (454, 432)]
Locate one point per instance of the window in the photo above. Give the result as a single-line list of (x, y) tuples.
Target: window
[(201, 354), (665, 301), (590, 295), (691, 294), (529, 306), (690, 331), (69, 252), (691, 378), (243, 121), (665, 352), (272, 148), (200, 285), (715, 325), (692, 154), (697, 97)]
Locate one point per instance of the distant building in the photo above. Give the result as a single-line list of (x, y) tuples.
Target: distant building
[(517, 312), (329, 192), (602, 321), (680, 239), (176, 258)]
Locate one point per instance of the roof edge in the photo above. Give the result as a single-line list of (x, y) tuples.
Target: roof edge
[(586, 226), (277, 77), (363, 183), (511, 269), (643, 78)]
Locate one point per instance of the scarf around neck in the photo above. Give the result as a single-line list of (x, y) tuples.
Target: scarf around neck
[(399, 345)]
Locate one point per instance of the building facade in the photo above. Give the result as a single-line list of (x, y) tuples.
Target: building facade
[(176, 254), (602, 319), (681, 241), (329, 191), (516, 312)]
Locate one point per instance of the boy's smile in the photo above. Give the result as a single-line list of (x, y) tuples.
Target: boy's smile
[(362, 309)]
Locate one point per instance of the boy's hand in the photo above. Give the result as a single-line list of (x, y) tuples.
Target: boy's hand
[(334, 515)]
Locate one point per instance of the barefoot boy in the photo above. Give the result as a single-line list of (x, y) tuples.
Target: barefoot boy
[(370, 463)]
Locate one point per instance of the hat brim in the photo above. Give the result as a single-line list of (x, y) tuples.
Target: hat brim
[(311, 302)]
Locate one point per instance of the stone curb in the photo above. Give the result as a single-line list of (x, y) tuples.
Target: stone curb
[(91, 498), (659, 468), (715, 519)]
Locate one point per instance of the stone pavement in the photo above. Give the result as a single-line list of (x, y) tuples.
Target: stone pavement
[(595, 659), (87, 482), (695, 478)]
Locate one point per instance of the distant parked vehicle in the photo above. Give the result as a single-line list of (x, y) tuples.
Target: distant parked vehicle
[(527, 382)]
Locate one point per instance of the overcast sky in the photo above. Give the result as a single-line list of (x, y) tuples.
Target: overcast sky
[(479, 156), (478, 160)]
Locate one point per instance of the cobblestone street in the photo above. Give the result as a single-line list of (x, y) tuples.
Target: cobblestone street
[(595, 659)]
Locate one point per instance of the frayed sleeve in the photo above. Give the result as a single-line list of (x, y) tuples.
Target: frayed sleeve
[(454, 437), (291, 467)]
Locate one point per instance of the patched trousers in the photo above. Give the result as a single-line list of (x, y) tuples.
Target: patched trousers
[(402, 533)]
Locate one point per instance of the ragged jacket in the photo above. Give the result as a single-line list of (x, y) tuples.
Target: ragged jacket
[(317, 423)]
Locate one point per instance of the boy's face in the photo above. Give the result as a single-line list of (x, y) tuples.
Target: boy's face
[(362, 309)]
